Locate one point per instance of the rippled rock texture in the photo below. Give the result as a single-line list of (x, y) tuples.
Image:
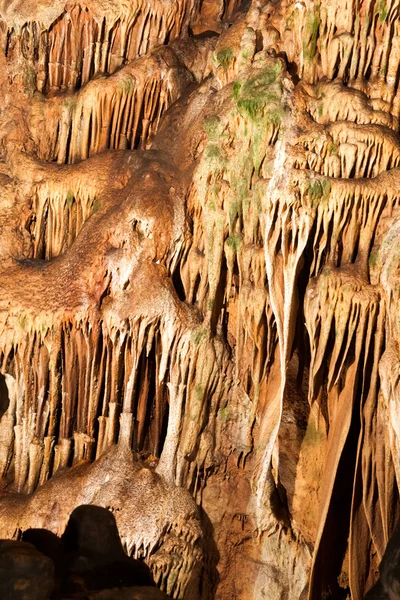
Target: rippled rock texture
[(200, 286)]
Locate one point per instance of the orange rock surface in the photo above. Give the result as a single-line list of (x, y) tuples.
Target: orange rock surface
[(200, 286)]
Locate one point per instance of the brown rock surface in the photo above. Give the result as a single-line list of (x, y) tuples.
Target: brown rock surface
[(143, 593), (199, 286), (25, 573)]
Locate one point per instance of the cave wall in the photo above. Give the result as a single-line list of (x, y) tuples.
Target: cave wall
[(199, 285)]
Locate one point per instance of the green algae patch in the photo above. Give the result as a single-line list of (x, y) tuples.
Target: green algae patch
[(224, 58), (261, 96), (318, 190)]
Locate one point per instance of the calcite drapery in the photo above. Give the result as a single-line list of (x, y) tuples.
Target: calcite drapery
[(200, 265)]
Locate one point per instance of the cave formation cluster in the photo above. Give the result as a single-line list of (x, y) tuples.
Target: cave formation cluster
[(200, 286)]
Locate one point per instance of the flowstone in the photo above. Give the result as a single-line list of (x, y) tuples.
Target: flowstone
[(199, 287)]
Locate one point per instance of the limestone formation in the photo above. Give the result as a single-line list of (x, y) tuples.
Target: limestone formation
[(200, 286)]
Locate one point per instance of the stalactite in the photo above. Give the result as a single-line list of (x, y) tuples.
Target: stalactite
[(177, 531), (59, 219), (357, 43), (82, 42), (338, 301), (120, 112), (209, 235), (348, 105)]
